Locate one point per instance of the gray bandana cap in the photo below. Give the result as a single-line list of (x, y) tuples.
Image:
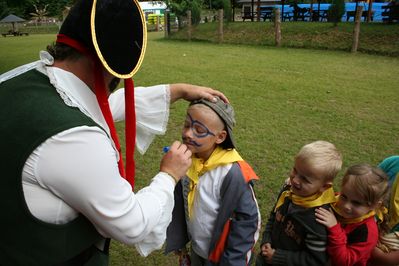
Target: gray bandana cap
[(226, 112)]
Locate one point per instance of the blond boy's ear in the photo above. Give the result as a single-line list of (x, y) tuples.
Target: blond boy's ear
[(326, 186), (221, 136)]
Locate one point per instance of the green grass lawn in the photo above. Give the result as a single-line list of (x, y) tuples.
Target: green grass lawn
[(283, 98)]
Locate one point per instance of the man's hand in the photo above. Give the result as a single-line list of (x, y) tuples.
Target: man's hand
[(325, 217), (176, 161), (190, 92)]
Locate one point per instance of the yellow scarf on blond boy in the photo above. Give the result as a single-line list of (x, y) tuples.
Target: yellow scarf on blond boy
[(198, 167), (325, 197)]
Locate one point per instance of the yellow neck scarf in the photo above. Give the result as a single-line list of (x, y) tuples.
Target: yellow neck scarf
[(198, 167), (327, 196), (379, 213), (343, 220)]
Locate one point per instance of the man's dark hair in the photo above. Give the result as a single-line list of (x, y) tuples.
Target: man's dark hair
[(61, 51)]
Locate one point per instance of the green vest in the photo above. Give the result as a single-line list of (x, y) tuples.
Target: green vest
[(31, 111)]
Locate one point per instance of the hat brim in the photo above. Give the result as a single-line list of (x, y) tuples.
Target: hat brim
[(119, 36)]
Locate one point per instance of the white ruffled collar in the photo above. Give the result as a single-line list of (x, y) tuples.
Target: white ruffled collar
[(72, 90)]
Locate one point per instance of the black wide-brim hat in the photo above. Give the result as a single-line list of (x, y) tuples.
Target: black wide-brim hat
[(112, 29)]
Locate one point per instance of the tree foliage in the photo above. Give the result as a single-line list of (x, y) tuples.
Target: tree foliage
[(226, 5), (180, 8), (24, 8), (336, 11)]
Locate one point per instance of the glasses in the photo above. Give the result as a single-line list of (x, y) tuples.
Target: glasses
[(199, 130)]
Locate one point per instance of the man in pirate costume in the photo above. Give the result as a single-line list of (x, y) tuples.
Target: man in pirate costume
[(62, 192)]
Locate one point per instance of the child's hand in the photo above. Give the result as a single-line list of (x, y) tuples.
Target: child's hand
[(184, 257), (325, 217), (267, 251)]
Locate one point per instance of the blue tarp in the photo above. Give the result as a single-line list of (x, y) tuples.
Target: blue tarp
[(348, 7)]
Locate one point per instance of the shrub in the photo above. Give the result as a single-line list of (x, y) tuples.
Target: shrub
[(336, 11)]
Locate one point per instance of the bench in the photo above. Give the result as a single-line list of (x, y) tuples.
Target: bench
[(390, 13), (320, 15), (300, 13), (247, 14), (14, 33), (352, 14), (267, 12)]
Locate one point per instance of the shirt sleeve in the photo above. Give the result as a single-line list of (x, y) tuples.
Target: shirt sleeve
[(349, 252), (152, 112), (79, 166)]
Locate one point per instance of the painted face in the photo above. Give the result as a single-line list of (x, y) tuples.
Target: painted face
[(306, 180), (202, 131), (351, 204)]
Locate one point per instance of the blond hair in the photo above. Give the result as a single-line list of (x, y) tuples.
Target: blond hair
[(322, 155)]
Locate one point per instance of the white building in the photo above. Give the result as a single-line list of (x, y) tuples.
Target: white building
[(153, 7)]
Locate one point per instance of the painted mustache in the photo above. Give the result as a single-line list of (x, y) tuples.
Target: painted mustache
[(191, 142)]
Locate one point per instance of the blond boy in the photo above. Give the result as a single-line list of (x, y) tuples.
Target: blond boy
[(292, 235)]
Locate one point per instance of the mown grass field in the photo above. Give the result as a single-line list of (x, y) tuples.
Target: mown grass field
[(283, 98)]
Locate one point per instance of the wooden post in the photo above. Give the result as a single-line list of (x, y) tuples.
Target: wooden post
[(189, 25), (277, 26), (356, 30), (157, 24), (311, 10), (166, 24), (220, 32), (370, 10)]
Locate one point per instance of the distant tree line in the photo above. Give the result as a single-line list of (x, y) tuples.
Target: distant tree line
[(28, 8), (36, 9)]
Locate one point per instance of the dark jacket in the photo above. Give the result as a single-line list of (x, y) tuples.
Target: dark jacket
[(236, 224), (296, 236)]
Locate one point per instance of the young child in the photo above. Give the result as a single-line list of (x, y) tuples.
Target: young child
[(387, 251), (215, 206), (363, 191), (292, 235)]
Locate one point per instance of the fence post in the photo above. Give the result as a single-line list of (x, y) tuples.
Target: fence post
[(220, 32), (166, 23), (277, 26), (369, 11), (189, 25), (356, 30)]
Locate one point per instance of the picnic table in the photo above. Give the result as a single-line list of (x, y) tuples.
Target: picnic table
[(352, 14), (14, 33), (319, 15), (267, 12), (390, 13)]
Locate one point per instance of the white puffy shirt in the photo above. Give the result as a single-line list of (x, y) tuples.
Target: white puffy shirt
[(76, 170)]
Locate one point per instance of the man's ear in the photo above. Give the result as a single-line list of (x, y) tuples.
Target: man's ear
[(221, 136)]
